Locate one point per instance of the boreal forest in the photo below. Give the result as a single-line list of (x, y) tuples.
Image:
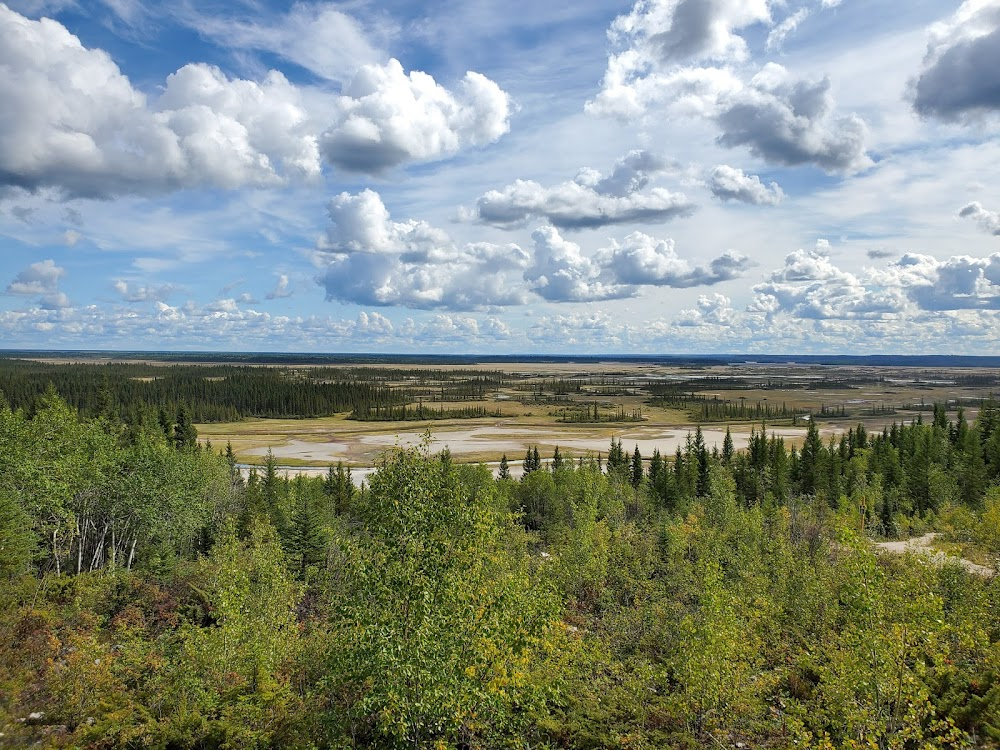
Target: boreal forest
[(156, 594)]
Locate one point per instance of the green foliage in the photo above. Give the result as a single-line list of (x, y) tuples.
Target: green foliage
[(440, 614), (17, 542), (708, 600)]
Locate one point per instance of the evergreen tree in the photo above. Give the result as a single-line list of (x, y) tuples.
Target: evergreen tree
[(166, 425), (338, 486), (972, 467), (235, 475), (617, 460), (532, 460), (655, 467), (727, 448), (557, 460), (809, 460), (504, 472), (307, 546), (185, 434), (702, 458), (636, 472)]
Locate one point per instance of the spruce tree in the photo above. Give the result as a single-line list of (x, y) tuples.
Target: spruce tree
[(702, 457), (504, 472), (635, 475), (727, 448), (185, 434), (307, 545)]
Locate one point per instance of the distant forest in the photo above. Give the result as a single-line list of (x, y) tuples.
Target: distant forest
[(227, 393), (210, 393)]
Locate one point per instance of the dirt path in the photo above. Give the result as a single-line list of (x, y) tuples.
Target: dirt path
[(923, 545)]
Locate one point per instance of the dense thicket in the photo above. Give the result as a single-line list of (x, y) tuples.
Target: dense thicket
[(153, 597)]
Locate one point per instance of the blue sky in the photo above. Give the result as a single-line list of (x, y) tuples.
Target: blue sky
[(473, 176)]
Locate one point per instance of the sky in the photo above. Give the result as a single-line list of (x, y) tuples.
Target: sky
[(486, 177)]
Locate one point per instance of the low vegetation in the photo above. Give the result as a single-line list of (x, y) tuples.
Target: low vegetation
[(151, 597)]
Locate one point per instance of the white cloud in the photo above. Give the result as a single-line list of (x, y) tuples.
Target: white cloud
[(777, 36), (591, 200), (72, 121), (811, 286), (386, 118), (255, 126), (281, 290), (716, 310), (959, 283), (680, 31), (317, 37), (38, 278), (961, 74), (143, 293), (988, 220), (366, 258), (660, 50), (561, 273), (684, 58), (374, 323), (361, 223), (629, 89), (791, 122), (641, 260), (731, 184)]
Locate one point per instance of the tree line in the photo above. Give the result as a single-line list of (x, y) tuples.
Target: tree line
[(211, 393)]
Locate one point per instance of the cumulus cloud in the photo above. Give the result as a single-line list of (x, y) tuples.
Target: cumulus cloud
[(641, 260), (731, 184), (374, 323), (560, 272), (958, 283), (281, 290), (54, 301), (676, 53), (961, 72), (367, 258), (73, 122), (143, 293), (387, 117), (810, 286), (988, 220), (361, 223), (591, 200), (679, 31), (789, 122), (679, 55), (635, 83), (38, 278), (716, 310)]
